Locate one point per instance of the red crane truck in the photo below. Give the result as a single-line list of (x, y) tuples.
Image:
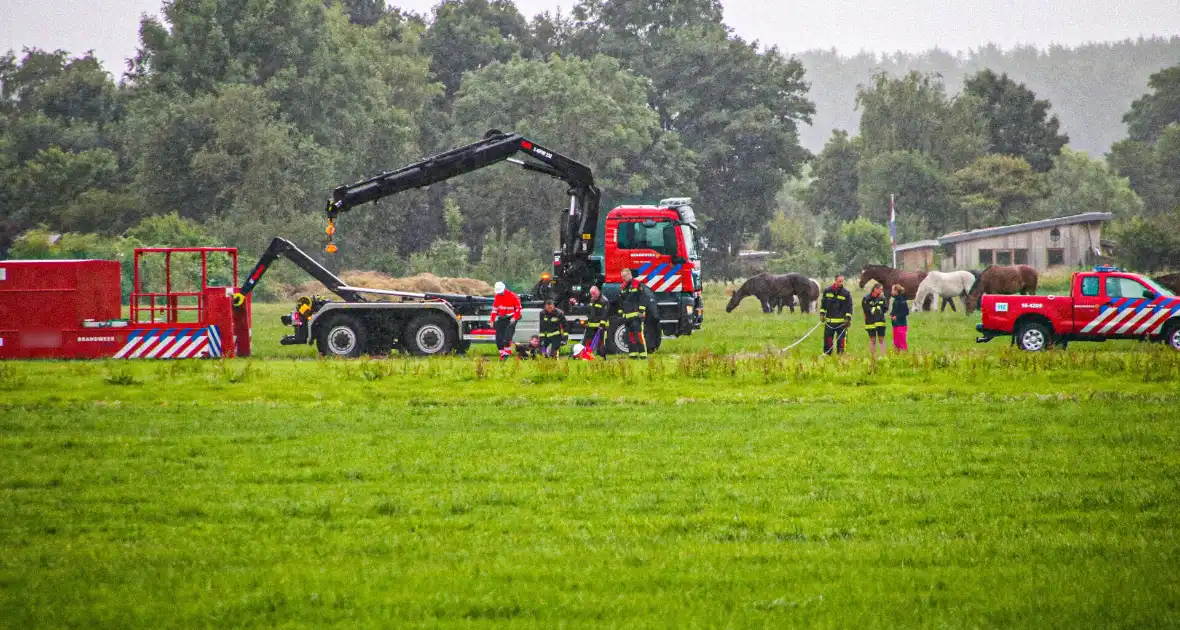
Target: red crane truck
[(657, 241), (1106, 303)]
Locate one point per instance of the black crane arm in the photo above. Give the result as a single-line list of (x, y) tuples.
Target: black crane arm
[(495, 147), (581, 224), (282, 247)]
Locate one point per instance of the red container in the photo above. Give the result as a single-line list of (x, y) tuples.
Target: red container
[(72, 309)]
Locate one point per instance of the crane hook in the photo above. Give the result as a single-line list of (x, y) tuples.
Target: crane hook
[(331, 231)]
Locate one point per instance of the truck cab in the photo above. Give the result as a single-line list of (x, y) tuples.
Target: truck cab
[(1106, 303), (658, 243)]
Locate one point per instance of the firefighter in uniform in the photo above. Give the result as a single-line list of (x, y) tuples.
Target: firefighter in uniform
[(505, 314), (634, 307), (552, 329), (530, 350), (597, 322), (874, 306), (835, 311)]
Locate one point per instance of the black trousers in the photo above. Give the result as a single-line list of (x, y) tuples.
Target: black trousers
[(831, 333), (551, 344), (505, 327), (637, 345)]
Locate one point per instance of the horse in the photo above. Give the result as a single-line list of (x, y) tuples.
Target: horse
[(948, 286), (1007, 280), (773, 291), (889, 276), (808, 301), (1170, 282)]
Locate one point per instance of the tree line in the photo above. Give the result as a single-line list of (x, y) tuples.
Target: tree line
[(236, 118)]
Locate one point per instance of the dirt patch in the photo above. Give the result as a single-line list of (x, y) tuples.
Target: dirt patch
[(421, 283)]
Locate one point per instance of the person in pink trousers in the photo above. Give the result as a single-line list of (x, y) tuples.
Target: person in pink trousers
[(900, 314)]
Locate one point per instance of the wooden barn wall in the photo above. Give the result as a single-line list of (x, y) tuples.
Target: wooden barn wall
[(1076, 240)]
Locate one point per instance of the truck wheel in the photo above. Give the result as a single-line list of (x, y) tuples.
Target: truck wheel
[(1172, 337), (429, 334), (343, 336), (1033, 337), (616, 340)]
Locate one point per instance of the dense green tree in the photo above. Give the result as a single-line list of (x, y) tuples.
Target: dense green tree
[(361, 12), (1149, 245), (1090, 85), (1018, 124), (1151, 114), (862, 242), (467, 35), (920, 189), (1150, 159), (837, 178), (590, 110), (914, 113), (1078, 183), (1007, 184), (735, 105)]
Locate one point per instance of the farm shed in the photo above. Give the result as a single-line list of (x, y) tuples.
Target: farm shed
[(916, 256), (1067, 242)]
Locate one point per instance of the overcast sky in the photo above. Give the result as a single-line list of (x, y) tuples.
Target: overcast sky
[(110, 27)]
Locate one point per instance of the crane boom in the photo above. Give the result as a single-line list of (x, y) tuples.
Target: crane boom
[(580, 226)]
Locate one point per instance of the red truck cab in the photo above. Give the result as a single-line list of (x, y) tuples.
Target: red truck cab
[(657, 242), (1106, 303)]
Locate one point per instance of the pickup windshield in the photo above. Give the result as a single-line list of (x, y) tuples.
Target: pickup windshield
[(1155, 286)]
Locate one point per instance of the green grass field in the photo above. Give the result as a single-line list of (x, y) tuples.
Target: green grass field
[(719, 484)]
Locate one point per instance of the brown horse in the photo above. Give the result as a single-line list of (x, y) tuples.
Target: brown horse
[(889, 276), (773, 291), (1170, 282), (1007, 280)]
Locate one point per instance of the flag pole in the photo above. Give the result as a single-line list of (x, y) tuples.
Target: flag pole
[(893, 230)]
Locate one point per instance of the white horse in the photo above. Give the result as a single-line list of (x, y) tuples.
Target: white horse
[(819, 290), (947, 286)]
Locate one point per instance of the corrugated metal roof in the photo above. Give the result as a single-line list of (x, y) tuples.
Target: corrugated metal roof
[(904, 247), (958, 237)]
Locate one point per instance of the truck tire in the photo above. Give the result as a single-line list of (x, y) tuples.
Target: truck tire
[(342, 336), (1172, 336), (616, 341), (429, 335), (1033, 337)]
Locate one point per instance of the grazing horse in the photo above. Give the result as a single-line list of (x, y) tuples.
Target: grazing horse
[(948, 286), (889, 276), (773, 291), (1006, 280), (1170, 282), (808, 300)]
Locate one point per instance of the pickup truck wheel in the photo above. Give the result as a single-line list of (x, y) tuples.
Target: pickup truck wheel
[(343, 336), (1173, 336), (429, 334), (1033, 337)]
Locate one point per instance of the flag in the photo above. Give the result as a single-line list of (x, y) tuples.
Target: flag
[(892, 224)]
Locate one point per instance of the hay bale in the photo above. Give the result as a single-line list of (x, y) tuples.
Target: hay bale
[(421, 283)]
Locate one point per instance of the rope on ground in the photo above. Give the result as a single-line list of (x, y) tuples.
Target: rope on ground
[(805, 336)]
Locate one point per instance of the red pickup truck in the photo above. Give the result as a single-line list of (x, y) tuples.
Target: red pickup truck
[(1103, 304)]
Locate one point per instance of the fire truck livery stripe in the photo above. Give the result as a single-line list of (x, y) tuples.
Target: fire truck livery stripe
[(174, 343), (661, 277), (1141, 315)]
